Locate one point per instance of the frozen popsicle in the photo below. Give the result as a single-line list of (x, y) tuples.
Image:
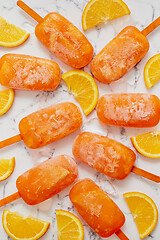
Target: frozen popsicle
[(20, 71), (107, 156), (47, 125), (44, 181), (129, 110), (97, 209), (62, 38), (122, 53)]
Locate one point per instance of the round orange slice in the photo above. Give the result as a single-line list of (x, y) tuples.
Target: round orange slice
[(148, 144), (144, 212), (99, 11), (11, 35), (19, 227), (6, 168), (69, 226)]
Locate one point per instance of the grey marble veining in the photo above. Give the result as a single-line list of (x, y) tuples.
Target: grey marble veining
[(142, 13)]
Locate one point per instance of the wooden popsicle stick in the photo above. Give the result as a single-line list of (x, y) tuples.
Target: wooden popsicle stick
[(9, 199), (146, 174), (151, 27), (121, 235), (10, 141), (29, 11)]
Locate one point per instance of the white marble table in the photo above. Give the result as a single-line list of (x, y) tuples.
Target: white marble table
[(142, 13)]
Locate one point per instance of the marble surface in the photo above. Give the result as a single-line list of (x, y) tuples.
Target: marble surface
[(142, 13)]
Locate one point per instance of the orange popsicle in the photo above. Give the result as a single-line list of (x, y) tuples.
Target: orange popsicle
[(30, 73), (45, 180), (108, 156), (122, 53), (62, 38), (129, 110), (47, 125), (96, 208), (104, 154), (119, 55)]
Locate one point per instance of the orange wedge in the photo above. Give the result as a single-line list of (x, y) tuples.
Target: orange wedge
[(6, 100), (6, 168), (152, 71), (148, 144), (69, 226), (144, 212), (84, 89), (10, 35), (19, 227), (100, 11)]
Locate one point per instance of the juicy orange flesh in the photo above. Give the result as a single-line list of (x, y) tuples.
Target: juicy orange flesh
[(68, 227), (77, 85), (144, 212), (10, 33), (6, 166), (84, 89), (22, 227), (6, 100), (4, 97), (152, 70), (103, 10), (28, 230), (149, 142)]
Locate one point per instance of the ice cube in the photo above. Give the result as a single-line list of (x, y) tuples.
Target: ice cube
[(94, 125), (46, 205)]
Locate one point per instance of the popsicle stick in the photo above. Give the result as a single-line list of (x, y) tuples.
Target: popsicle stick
[(10, 141), (146, 174), (29, 11), (121, 235), (151, 27), (9, 199)]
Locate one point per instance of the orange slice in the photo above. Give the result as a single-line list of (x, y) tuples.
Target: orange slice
[(99, 11), (144, 212), (84, 88), (6, 168), (152, 71), (6, 100), (69, 226), (10, 35), (148, 144), (19, 227)]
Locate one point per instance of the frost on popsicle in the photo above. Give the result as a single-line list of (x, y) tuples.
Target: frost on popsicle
[(96, 208), (20, 71), (129, 110), (63, 39), (104, 154), (46, 179), (120, 55), (50, 124)]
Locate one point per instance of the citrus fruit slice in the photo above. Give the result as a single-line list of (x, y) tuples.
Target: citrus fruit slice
[(6, 168), (6, 100), (19, 227), (69, 226), (152, 71), (144, 212), (148, 144), (99, 11), (11, 35), (84, 88)]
